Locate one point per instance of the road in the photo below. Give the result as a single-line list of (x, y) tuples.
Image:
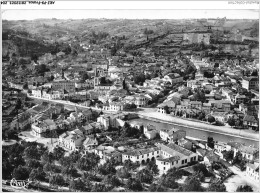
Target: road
[(240, 178)]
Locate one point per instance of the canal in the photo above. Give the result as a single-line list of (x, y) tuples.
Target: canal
[(203, 135)]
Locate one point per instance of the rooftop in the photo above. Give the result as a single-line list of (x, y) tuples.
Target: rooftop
[(171, 148), (139, 152)]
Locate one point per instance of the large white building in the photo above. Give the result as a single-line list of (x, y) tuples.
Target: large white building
[(141, 155), (172, 155)]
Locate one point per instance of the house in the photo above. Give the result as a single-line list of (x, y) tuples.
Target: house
[(220, 147), (240, 99), (108, 152), (104, 120), (39, 128), (23, 121), (111, 120), (190, 83), (37, 93), (250, 122), (248, 152), (172, 155), (195, 105), (77, 116), (64, 85), (116, 106), (252, 171), (172, 134), (206, 107), (87, 129), (150, 131), (220, 116), (166, 107), (250, 82), (224, 105), (141, 155), (141, 100), (208, 156), (90, 143), (173, 78), (71, 140)]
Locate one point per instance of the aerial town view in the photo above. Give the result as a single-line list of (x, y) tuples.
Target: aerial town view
[(126, 105)]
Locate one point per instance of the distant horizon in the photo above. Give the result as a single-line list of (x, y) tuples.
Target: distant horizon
[(16, 15)]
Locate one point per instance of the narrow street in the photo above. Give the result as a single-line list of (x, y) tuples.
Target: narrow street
[(240, 178)]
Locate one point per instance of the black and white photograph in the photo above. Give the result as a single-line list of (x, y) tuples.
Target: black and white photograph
[(146, 96)]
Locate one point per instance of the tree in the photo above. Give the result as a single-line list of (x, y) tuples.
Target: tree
[(70, 171), (231, 121), (32, 163), (107, 168), (153, 167), (58, 153), (103, 80), (112, 180), (37, 174), (211, 119), (240, 161), (134, 184), (47, 157), (7, 169), (210, 142), (156, 188), (245, 188), (192, 184), (31, 152), (48, 168), (217, 186), (140, 78), (166, 108), (201, 168), (75, 156), (78, 185), (21, 173), (123, 173), (56, 180), (145, 176), (99, 188), (228, 155), (25, 85), (169, 181), (88, 162)]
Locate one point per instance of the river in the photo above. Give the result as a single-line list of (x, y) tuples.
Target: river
[(203, 135)]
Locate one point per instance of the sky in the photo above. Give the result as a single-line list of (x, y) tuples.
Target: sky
[(128, 14)]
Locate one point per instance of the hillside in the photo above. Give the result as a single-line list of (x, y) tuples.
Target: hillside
[(30, 37)]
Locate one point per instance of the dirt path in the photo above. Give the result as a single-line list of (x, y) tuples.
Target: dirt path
[(240, 178)]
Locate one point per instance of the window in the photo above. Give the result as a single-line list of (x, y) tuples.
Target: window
[(194, 158), (137, 157), (182, 162), (163, 163), (185, 160), (163, 168), (177, 162)]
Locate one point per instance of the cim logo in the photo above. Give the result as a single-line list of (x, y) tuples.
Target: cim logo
[(20, 183)]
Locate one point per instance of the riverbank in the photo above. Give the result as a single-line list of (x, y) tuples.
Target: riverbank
[(159, 117)]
